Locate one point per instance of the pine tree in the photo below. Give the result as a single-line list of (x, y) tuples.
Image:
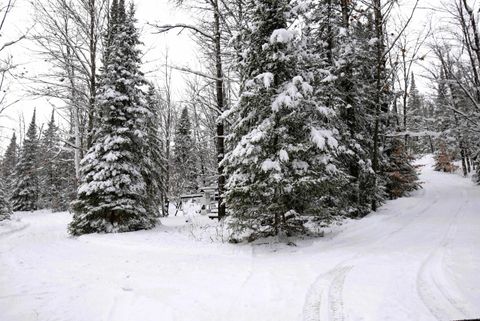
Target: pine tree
[(56, 170), (185, 175), (48, 169), (9, 162), (282, 169), (415, 120), (66, 178), (112, 29), (339, 49), (443, 115), (476, 176), (402, 176), (5, 208), (372, 185), (154, 168), (112, 195), (444, 160), (25, 183)]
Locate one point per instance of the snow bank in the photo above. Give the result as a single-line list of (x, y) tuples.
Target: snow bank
[(417, 258)]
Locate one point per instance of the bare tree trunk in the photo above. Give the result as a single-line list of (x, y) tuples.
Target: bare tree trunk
[(347, 83), (406, 79), (220, 105), (464, 160), (168, 137), (78, 143), (432, 148), (468, 154), (93, 70), (198, 142), (377, 7), (476, 45), (213, 37), (460, 139), (75, 111)]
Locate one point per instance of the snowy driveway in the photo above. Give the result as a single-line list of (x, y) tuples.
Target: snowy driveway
[(418, 258)]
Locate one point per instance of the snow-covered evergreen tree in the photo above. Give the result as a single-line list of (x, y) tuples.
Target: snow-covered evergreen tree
[(5, 207), (476, 176), (9, 161), (56, 170), (453, 111), (66, 178), (416, 120), (113, 194), (112, 29), (444, 160), (443, 114), (282, 169), (184, 159), (342, 56), (154, 167), (25, 183), (402, 176), (48, 169)]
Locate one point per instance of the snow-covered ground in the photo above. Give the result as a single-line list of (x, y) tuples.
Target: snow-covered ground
[(418, 258)]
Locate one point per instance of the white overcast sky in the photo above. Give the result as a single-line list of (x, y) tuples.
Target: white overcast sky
[(182, 52)]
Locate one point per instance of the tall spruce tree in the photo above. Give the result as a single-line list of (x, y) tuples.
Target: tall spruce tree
[(371, 184), (113, 195), (112, 29), (9, 162), (185, 164), (66, 177), (402, 178), (444, 120), (6, 176), (25, 183), (476, 177), (5, 207), (282, 168), (415, 119), (48, 169), (341, 59), (56, 170), (154, 167)]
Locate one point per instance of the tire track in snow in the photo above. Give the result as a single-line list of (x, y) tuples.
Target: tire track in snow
[(118, 309), (247, 278), (441, 301), (18, 229), (335, 294), (324, 299)]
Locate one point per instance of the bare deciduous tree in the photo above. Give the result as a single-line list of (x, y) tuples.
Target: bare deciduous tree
[(6, 60), (69, 36)]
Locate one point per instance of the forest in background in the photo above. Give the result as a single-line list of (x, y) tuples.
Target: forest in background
[(305, 112)]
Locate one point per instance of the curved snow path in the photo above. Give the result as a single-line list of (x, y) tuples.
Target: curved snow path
[(403, 273), (418, 258)]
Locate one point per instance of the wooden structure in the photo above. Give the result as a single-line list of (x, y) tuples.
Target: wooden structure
[(207, 198)]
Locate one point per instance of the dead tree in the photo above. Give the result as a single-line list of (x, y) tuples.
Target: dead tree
[(7, 64), (69, 35), (213, 33)]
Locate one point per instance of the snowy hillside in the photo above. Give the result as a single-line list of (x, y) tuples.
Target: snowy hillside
[(416, 259)]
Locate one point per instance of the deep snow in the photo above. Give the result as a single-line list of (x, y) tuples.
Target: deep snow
[(418, 258)]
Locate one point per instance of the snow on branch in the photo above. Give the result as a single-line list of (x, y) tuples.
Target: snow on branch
[(323, 137), (198, 73), (166, 28), (282, 36), (415, 134), (10, 43)]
